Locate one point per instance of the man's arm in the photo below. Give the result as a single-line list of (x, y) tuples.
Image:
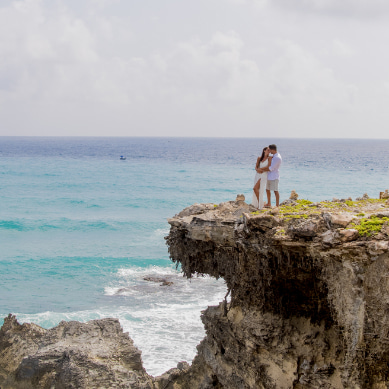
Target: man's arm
[(267, 168), (276, 164)]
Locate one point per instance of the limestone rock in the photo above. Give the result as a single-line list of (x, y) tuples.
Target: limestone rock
[(348, 235), (307, 228), (96, 354), (195, 209), (364, 197), (261, 222), (288, 202), (383, 214), (341, 219), (308, 304), (384, 195), (329, 237)]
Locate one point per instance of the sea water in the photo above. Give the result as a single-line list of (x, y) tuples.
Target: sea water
[(80, 229)]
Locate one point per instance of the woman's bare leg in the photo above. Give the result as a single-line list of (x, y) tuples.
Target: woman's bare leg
[(256, 189)]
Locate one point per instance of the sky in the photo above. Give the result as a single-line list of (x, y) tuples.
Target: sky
[(219, 68)]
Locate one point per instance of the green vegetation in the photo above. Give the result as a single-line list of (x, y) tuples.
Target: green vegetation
[(302, 209), (304, 202), (370, 226), (298, 216), (280, 232), (301, 205), (374, 201)]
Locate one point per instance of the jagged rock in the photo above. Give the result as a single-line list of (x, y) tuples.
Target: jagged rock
[(262, 222), (288, 202), (341, 219), (307, 228), (383, 214), (71, 355), (195, 209), (348, 235), (384, 195), (175, 375), (329, 237), (364, 197), (308, 302)]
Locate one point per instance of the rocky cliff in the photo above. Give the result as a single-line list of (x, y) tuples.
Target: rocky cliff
[(71, 355), (309, 285), (308, 307)]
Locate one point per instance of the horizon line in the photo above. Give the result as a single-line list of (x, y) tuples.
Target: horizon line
[(182, 137)]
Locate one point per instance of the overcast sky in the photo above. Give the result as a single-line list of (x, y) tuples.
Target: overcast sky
[(246, 68)]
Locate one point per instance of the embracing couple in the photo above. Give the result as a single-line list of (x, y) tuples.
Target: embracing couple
[(267, 177)]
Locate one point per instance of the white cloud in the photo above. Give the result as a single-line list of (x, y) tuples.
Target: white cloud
[(69, 70), (345, 8), (259, 4), (212, 71), (342, 49), (54, 55), (301, 79)]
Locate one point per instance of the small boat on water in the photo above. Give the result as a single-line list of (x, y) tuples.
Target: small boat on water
[(122, 158)]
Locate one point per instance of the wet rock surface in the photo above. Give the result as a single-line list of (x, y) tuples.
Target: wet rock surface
[(161, 280), (309, 285)]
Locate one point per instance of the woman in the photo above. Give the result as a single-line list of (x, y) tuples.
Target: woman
[(260, 178)]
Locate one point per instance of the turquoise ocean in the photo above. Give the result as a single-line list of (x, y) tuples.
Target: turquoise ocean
[(80, 228)]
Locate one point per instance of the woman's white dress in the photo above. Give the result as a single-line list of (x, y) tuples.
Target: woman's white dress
[(262, 187)]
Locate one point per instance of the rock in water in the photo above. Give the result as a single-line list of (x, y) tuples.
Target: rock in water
[(71, 355)]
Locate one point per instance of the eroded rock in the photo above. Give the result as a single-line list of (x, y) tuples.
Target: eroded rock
[(341, 219), (71, 355), (308, 297)]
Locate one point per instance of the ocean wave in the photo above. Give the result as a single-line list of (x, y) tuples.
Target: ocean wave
[(12, 225), (166, 328)]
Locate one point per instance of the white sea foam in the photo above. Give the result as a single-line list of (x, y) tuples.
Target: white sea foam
[(163, 321), (167, 325)]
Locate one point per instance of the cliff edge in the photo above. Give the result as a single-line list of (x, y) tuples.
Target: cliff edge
[(309, 293)]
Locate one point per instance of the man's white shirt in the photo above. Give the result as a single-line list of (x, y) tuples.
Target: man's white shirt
[(274, 173)]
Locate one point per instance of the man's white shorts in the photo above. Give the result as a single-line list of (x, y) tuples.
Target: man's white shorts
[(272, 185)]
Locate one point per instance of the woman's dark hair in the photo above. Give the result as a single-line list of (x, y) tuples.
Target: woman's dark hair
[(263, 154)]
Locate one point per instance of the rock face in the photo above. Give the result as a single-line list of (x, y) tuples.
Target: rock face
[(309, 288), (72, 355)]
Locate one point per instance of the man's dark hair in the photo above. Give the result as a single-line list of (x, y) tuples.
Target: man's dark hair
[(273, 147)]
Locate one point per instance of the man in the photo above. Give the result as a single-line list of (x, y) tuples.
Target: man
[(273, 176)]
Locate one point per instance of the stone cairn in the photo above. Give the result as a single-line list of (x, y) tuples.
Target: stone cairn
[(293, 195), (384, 195)]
